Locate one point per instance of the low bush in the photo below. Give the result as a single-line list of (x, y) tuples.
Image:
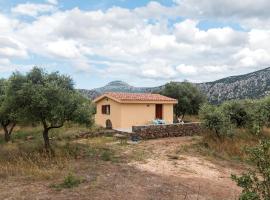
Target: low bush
[(107, 155), (214, 119), (229, 148), (237, 112), (256, 182), (70, 181)]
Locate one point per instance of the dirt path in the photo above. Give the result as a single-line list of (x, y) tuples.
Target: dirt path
[(207, 179), (166, 174)]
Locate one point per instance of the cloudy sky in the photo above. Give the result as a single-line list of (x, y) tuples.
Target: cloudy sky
[(145, 43)]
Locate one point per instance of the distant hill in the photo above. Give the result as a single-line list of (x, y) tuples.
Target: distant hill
[(252, 85), (117, 86)]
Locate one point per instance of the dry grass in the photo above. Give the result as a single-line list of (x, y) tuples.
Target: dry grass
[(30, 160), (229, 148), (100, 167), (192, 118), (26, 157)]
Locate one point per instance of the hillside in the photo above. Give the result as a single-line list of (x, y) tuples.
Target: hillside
[(251, 85), (117, 86)]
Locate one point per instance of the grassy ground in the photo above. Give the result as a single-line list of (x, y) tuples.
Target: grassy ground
[(24, 155), (192, 118), (228, 148), (103, 168)]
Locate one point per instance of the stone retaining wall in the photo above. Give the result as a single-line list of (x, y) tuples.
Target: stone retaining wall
[(167, 130)]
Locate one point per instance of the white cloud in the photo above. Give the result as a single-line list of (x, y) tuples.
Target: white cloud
[(4, 61), (253, 58), (187, 69), (225, 8), (259, 39), (7, 25), (142, 42), (63, 48), (32, 9), (187, 31), (155, 10), (54, 2)]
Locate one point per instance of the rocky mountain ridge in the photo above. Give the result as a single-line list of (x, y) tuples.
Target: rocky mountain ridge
[(252, 85)]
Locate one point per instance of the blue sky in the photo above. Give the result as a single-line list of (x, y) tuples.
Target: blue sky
[(145, 43)]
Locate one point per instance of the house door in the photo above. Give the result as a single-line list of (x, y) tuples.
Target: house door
[(108, 124), (158, 111)]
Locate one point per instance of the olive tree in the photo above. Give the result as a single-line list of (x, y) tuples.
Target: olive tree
[(237, 112), (189, 97), (8, 118), (259, 115), (49, 99), (256, 182), (214, 119)]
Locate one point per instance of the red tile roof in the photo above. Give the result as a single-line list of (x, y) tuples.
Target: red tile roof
[(122, 96)]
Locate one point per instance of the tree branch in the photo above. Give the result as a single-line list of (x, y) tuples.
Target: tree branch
[(12, 127), (56, 126)]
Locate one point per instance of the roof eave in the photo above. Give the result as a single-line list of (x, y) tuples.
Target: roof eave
[(148, 102), (105, 96)]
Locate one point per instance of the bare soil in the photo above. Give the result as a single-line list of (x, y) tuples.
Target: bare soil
[(153, 169)]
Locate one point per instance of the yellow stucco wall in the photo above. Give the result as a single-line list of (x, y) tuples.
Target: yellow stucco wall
[(126, 115), (168, 113), (142, 114), (137, 114), (115, 114)]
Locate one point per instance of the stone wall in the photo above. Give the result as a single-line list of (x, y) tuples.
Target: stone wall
[(167, 130)]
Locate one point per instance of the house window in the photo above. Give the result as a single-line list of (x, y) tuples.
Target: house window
[(106, 109)]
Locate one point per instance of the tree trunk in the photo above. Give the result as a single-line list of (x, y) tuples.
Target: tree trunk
[(183, 115), (218, 135), (7, 135), (46, 139), (46, 129), (8, 132)]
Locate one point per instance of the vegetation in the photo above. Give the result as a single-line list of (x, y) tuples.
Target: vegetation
[(250, 115), (70, 181), (8, 117), (189, 98), (26, 157), (237, 113), (40, 97), (256, 183), (215, 120), (44, 102), (249, 121)]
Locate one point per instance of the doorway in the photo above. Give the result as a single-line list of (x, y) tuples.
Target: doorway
[(108, 124), (159, 111)]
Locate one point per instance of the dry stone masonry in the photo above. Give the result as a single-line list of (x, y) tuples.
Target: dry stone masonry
[(167, 130)]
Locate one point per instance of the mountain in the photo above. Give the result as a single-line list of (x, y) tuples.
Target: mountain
[(248, 86), (252, 85), (117, 86)]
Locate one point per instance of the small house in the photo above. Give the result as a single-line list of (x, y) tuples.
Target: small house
[(124, 110)]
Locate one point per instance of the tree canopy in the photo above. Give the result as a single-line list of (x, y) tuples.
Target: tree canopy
[(8, 115), (49, 99), (189, 97)]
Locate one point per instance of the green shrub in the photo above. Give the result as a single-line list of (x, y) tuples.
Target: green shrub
[(256, 182), (259, 112), (214, 119), (237, 112), (70, 181), (107, 155)]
